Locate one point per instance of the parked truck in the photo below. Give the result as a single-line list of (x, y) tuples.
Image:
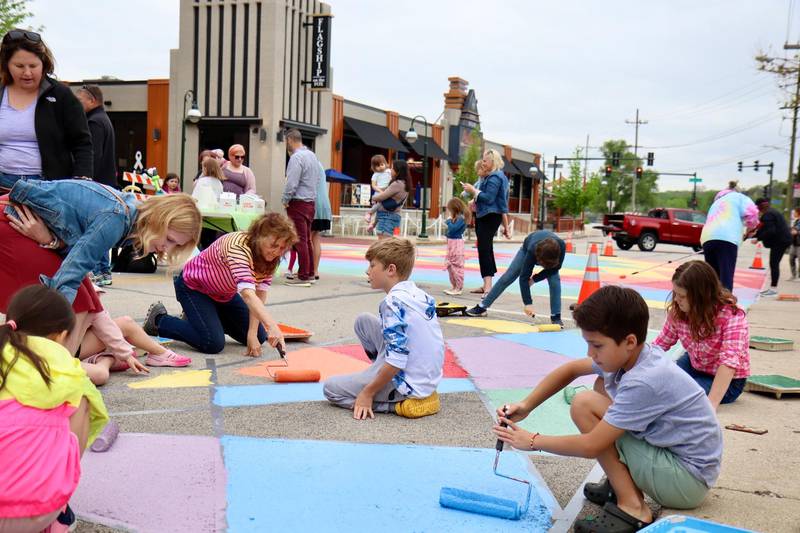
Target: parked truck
[(663, 224)]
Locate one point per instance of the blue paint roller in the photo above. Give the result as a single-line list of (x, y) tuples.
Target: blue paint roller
[(476, 502)]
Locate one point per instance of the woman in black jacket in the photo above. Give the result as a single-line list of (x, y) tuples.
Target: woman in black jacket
[(43, 129), (773, 231)]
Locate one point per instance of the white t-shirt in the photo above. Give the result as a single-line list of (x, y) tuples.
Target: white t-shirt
[(381, 180), (413, 339), (206, 181)]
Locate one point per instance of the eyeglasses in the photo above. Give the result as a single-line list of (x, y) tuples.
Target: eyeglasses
[(18, 35), (238, 157)]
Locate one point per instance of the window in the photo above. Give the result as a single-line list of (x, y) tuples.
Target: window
[(699, 218), (684, 216)]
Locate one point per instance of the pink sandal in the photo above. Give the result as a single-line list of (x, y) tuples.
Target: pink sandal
[(168, 358)]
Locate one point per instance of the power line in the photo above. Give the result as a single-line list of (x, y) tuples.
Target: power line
[(732, 160), (727, 133), (747, 88)]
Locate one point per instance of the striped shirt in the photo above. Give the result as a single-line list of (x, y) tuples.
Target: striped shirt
[(729, 345), (224, 269)]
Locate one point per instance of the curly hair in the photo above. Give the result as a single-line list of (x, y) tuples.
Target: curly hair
[(270, 225)]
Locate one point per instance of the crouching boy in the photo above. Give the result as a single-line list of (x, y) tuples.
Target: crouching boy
[(405, 343), (650, 426)]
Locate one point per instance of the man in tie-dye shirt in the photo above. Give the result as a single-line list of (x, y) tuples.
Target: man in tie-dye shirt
[(724, 230)]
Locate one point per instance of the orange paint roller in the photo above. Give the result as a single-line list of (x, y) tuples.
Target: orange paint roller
[(291, 375)]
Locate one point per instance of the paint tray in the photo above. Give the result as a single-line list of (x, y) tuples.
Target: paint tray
[(447, 309), (292, 333), (773, 384), (688, 524), (789, 297), (771, 344)]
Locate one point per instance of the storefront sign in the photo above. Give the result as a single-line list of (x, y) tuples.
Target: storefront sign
[(321, 49)]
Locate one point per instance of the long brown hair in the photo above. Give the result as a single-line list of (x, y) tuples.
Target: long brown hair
[(706, 297), (36, 310), (270, 225), (456, 206)]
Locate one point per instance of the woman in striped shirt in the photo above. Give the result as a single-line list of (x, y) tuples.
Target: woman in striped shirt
[(223, 290), (703, 315)]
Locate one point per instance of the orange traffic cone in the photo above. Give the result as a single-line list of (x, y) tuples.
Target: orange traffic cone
[(591, 277), (608, 251), (757, 263), (570, 249)]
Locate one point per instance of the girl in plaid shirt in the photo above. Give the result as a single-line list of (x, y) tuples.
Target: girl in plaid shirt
[(703, 315)]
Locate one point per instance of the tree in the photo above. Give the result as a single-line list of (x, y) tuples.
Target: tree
[(466, 167), (570, 194), (12, 14), (618, 186)]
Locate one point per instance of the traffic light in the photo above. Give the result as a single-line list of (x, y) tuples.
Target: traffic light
[(639, 172), (608, 171), (740, 166), (614, 159), (755, 165), (650, 158)]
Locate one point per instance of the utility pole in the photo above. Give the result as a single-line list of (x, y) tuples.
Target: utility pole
[(636, 123), (790, 178)]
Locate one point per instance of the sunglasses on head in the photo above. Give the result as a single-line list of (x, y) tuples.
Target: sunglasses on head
[(18, 35), (91, 91)]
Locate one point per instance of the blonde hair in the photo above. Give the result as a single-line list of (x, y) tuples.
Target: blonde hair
[(394, 251), (212, 169), (269, 225), (456, 206), (159, 214), (496, 158)]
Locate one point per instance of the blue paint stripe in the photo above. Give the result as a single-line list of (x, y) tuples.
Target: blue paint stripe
[(244, 395)]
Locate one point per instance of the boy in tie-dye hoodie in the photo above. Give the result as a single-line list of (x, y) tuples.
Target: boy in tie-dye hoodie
[(724, 230)]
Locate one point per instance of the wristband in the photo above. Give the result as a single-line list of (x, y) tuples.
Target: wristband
[(533, 437)]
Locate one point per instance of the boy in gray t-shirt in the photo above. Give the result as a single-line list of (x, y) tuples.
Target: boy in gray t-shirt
[(650, 426)]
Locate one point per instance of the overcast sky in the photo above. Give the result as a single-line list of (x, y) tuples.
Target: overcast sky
[(546, 73)]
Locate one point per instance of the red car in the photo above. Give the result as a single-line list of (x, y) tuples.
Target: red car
[(663, 224)]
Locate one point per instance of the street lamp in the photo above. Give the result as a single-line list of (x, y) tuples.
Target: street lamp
[(192, 116), (411, 137)]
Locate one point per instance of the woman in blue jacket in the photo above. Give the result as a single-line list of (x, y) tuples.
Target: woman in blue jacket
[(491, 202)]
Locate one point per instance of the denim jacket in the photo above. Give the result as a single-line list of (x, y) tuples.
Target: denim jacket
[(494, 194), (88, 217)]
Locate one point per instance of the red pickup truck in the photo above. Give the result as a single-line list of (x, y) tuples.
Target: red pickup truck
[(663, 224)]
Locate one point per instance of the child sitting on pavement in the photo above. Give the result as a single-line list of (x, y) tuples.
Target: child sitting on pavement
[(648, 423), (405, 342)]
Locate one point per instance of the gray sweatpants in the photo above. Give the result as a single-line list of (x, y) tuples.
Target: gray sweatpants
[(342, 390)]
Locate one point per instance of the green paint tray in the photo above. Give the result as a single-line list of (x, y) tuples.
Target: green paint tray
[(771, 344), (773, 384)]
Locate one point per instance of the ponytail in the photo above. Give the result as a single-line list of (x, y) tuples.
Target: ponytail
[(38, 311)]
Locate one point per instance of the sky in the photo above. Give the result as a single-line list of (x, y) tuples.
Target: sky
[(546, 73)]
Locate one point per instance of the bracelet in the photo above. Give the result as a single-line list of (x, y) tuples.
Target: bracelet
[(52, 245), (533, 437)]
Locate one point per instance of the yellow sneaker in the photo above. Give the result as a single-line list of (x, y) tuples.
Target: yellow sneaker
[(418, 407)]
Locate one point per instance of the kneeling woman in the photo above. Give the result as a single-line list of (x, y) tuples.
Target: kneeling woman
[(703, 315), (224, 289)]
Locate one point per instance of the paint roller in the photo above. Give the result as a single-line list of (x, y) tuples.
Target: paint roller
[(476, 502), (548, 327), (292, 375)]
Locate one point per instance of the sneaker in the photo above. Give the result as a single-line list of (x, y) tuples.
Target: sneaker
[(556, 319), (154, 312), (418, 407), (168, 358), (289, 275), (297, 282), (476, 311), (367, 217), (769, 292), (103, 280), (452, 292)]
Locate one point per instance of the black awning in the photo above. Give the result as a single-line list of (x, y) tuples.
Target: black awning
[(509, 169), (375, 134), (523, 166), (434, 150)]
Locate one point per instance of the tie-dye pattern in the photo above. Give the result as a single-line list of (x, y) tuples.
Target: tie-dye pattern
[(728, 216)]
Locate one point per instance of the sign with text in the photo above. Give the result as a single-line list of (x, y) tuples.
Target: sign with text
[(321, 52)]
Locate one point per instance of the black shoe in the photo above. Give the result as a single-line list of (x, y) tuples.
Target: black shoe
[(154, 313), (66, 517), (476, 311), (600, 493), (556, 319)]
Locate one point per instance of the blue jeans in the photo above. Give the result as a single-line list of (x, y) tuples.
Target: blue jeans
[(705, 380), (8, 180), (387, 222), (88, 217), (207, 321), (512, 274), (103, 266)]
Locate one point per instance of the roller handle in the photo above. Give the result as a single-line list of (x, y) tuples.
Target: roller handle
[(281, 351), (499, 445)]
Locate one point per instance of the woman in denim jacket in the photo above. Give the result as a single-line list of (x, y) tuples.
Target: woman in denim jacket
[(491, 202), (83, 220)]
